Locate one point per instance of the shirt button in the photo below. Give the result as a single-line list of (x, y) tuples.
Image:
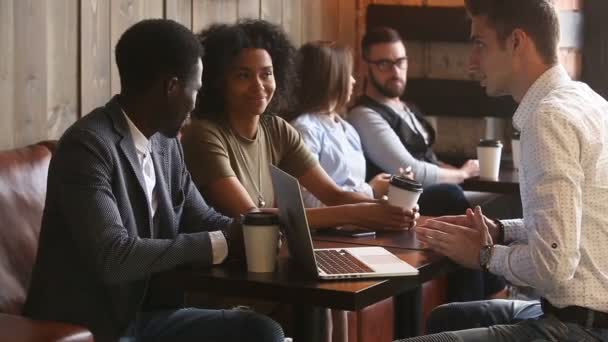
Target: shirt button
[(554, 245)]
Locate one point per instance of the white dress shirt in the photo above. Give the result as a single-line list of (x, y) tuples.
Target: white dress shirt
[(336, 145), (143, 147), (561, 246)]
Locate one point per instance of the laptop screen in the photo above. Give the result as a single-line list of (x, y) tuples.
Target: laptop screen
[(293, 218)]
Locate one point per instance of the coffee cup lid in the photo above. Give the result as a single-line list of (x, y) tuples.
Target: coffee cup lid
[(489, 143), (405, 183), (260, 219)]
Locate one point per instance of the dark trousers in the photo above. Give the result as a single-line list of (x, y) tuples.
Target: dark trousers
[(502, 321), (203, 325)]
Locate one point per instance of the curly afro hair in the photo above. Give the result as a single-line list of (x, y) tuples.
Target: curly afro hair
[(223, 42)]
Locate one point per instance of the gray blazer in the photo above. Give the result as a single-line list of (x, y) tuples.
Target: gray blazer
[(99, 246)]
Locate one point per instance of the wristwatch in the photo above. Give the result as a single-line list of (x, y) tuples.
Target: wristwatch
[(485, 255), (501, 231)]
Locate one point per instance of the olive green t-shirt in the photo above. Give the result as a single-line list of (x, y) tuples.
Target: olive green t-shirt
[(213, 151)]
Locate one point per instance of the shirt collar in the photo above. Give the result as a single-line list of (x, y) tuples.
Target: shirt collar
[(142, 144), (551, 79)]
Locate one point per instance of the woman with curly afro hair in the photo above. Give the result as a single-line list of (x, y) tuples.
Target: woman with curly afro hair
[(234, 135)]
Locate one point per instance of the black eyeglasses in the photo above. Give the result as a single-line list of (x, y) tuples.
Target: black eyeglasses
[(387, 64)]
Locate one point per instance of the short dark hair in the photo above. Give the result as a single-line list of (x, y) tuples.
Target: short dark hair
[(324, 71), (155, 48), (538, 18), (223, 43), (378, 35)]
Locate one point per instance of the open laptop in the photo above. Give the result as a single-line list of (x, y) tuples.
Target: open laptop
[(330, 263)]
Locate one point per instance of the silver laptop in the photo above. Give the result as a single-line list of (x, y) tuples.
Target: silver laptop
[(330, 263)]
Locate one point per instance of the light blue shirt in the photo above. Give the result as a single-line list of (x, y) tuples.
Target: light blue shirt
[(337, 147)]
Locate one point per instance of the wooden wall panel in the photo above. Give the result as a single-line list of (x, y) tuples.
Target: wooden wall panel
[(292, 20), (272, 11), (123, 14), (328, 20), (62, 56), (248, 9), (207, 12), (180, 11), (447, 61), (416, 59), (312, 29), (30, 71), (398, 2), (7, 74), (445, 3), (95, 54), (347, 27)]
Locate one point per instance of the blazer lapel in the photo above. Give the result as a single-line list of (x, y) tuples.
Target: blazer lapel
[(164, 227), (126, 142), (127, 148)]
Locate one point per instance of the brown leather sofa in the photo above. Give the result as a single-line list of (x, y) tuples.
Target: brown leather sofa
[(23, 174)]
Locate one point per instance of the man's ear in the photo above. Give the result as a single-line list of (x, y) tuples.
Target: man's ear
[(172, 85), (517, 40)]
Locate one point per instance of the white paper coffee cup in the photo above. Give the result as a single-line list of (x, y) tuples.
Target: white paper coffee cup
[(403, 192), (488, 154), (261, 237)]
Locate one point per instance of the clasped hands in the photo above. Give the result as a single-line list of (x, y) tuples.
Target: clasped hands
[(459, 237)]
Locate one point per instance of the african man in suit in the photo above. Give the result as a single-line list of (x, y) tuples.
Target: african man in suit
[(121, 207)]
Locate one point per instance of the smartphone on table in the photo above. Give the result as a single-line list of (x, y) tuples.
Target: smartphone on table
[(349, 231)]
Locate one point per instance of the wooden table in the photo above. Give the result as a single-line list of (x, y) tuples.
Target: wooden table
[(289, 285), (507, 183)]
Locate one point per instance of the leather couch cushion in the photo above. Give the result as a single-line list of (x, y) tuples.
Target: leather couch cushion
[(23, 175), (17, 328)]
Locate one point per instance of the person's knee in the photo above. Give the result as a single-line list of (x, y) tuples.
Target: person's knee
[(452, 317), (258, 327), (443, 199)]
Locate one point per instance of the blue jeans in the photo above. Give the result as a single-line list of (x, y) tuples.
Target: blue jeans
[(502, 321), (203, 325)]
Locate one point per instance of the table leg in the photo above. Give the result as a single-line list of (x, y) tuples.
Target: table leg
[(309, 323), (408, 313)]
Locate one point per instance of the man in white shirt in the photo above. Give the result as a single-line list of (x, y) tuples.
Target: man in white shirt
[(559, 247)]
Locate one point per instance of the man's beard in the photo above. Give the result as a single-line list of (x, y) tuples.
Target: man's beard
[(389, 92)]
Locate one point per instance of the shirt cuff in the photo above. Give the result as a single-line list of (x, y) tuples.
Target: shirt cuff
[(514, 231), (499, 262), (219, 246)]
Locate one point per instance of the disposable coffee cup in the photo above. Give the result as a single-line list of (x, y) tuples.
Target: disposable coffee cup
[(403, 192), (488, 154), (261, 237), (515, 150)]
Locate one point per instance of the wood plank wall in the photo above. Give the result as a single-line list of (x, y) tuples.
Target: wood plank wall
[(56, 57), (57, 64)]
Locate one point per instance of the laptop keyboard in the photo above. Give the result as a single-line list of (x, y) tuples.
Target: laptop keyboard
[(339, 262)]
